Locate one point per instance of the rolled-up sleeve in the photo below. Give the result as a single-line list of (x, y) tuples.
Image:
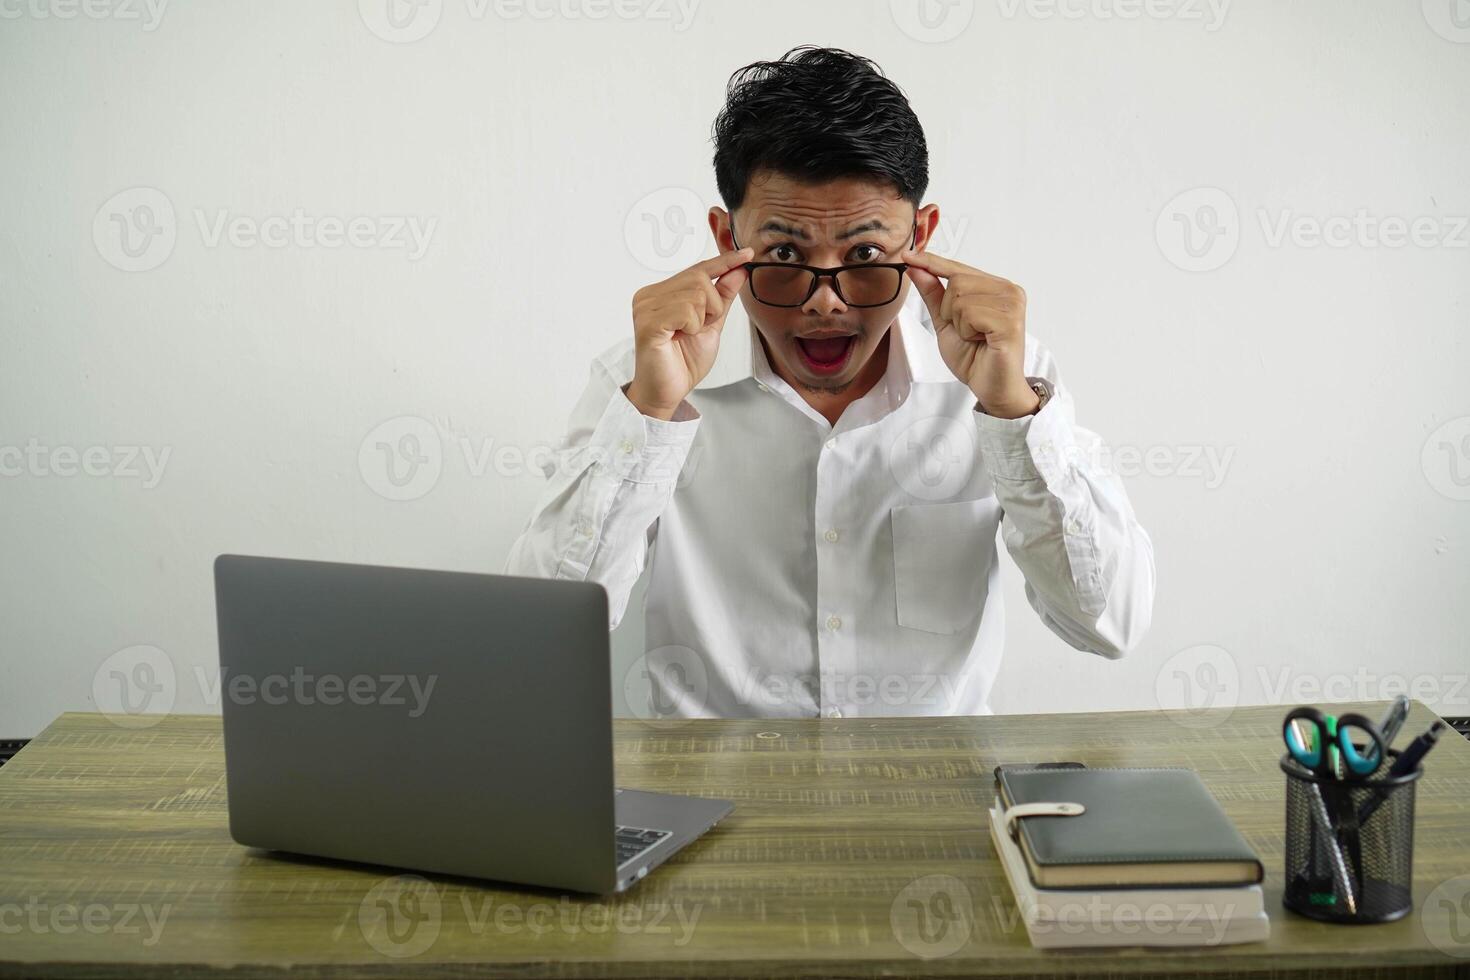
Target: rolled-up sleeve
[(1067, 521)]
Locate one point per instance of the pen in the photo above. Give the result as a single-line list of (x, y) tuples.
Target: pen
[(1409, 759), (1398, 713)]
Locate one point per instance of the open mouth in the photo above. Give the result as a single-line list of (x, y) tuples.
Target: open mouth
[(826, 355)]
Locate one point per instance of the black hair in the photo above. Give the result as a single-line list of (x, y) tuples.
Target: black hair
[(818, 114)]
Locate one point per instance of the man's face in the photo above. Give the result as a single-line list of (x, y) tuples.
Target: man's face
[(824, 344)]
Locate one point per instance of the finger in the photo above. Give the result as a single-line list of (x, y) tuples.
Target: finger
[(936, 264), (931, 290), (730, 284), (724, 262)]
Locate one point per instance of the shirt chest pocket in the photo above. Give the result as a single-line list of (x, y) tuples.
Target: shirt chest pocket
[(942, 554)]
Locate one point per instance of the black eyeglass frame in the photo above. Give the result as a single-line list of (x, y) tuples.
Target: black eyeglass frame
[(819, 273)]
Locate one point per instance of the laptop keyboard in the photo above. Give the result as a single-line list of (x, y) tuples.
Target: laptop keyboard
[(633, 841)]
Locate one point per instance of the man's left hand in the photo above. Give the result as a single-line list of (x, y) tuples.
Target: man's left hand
[(980, 320)]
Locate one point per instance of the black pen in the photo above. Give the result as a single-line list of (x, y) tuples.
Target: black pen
[(1408, 760), (1410, 757)]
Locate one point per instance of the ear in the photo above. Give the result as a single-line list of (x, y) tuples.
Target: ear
[(719, 227), (927, 219)]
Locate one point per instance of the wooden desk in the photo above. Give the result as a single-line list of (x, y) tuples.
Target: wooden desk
[(838, 825)]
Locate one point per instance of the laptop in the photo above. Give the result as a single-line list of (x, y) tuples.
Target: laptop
[(434, 721)]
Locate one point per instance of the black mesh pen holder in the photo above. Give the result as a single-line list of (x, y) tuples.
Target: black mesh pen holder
[(1349, 845)]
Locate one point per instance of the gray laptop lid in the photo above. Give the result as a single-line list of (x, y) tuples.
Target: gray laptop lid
[(431, 720)]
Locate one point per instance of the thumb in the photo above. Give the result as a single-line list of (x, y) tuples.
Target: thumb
[(730, 284), (931, 289)]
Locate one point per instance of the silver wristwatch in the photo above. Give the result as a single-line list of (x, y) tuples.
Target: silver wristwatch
[(1043, 390)]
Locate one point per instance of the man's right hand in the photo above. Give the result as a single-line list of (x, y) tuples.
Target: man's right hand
[(676, 330)]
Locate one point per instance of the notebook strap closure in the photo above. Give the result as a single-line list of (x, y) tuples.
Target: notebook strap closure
[(1014, 813)]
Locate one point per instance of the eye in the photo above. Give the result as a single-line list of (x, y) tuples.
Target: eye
[(789, 256), (867, 253)]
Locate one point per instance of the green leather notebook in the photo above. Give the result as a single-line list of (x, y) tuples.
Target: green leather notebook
[(1140, 828)]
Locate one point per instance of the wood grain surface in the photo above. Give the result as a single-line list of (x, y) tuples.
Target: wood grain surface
[(858, 848)]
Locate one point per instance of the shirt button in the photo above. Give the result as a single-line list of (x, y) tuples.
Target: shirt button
[(831, 443), (626, 447), (1073, 527), (831, 534), (834, 623)]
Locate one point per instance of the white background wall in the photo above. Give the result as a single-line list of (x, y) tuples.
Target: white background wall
[(1071, 146)]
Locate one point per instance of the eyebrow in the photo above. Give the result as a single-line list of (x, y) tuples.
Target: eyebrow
[(781, 228)]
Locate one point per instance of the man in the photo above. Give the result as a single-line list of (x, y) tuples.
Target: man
[(822, 533)]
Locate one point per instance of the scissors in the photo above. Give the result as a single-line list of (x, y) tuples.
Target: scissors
[(1333, 750)]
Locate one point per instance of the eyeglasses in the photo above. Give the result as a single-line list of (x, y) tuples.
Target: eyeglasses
[(787, 284)]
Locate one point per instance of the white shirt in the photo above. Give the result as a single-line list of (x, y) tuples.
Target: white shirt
[(804, 569)]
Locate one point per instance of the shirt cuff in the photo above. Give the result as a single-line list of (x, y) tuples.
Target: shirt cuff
[(1031, 447), (639, 448)]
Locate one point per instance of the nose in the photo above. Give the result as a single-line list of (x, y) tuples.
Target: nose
[(825, 301)]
